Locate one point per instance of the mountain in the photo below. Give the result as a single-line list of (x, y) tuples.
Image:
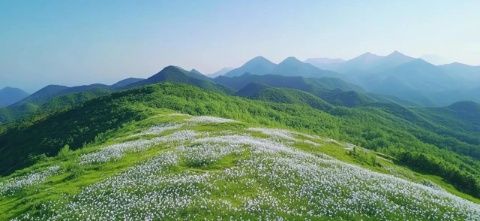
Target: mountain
[(297, 82), (56, 97), (372, 63), (469, 75), (410, 79), (258, 65), (177, 151), (51, 98), (45, 93), (468, 111), (220, 72), (361, 63), (331, 90), (291, 66), (62, 95), (178, 75), (126, 82), (325, 63), (9, 95), (415, 81), (283, 95)]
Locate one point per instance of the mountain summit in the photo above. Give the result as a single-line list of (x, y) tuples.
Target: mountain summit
[(258, 65)]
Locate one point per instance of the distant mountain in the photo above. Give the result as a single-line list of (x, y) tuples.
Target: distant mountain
[(321, 61), (371, 63), (178, 75), (415, 81), (55, 97), (410, 79), (291, 66), (325, 63), (45, 94), (283, 95), (297, 82), (126, 82), (469, 75), (258, 65), (9, 95), (466, 108), (331, 90), (220, 72)]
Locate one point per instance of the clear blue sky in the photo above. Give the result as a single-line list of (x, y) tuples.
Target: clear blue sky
[(79, 42)]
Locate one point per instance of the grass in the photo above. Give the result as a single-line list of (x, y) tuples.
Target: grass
[(73, 177)]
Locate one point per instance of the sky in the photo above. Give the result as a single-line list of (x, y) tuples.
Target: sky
[(82, 42)]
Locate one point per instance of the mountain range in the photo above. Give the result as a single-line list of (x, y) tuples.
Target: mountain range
[(404, 77), (307, 128), (410, 78), (364, 79)]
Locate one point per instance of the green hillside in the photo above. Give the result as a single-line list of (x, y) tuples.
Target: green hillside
[(283, 95), (372, 128), (175, 166)]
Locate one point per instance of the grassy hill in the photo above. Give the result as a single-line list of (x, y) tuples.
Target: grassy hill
[(167, 165), (405, 142)]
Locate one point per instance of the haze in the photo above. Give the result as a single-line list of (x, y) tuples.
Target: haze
[(81, 42)]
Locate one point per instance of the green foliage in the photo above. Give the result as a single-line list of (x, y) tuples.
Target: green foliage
[(63, 153), (389, 130), (432, 165), (364, 157)]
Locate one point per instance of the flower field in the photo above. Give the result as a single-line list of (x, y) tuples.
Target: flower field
[(231, 172)]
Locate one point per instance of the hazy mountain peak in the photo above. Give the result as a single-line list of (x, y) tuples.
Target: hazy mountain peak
[(125, 82), (172, 68), (419, 61), (221, 72), (195, 71), (366, 58), (459, 65), (291, 60), (258, 65), (369, 55), (258, 60), (397, 54), (10, 95)]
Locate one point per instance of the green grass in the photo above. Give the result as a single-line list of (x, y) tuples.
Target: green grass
[(74, 177)]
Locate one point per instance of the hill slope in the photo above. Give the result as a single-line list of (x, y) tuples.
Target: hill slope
[(448, 155), (332, 90), (175, 166), (175, 74)]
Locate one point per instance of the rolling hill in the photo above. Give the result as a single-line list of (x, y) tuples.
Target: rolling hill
[(136, 154), (449, 155)]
